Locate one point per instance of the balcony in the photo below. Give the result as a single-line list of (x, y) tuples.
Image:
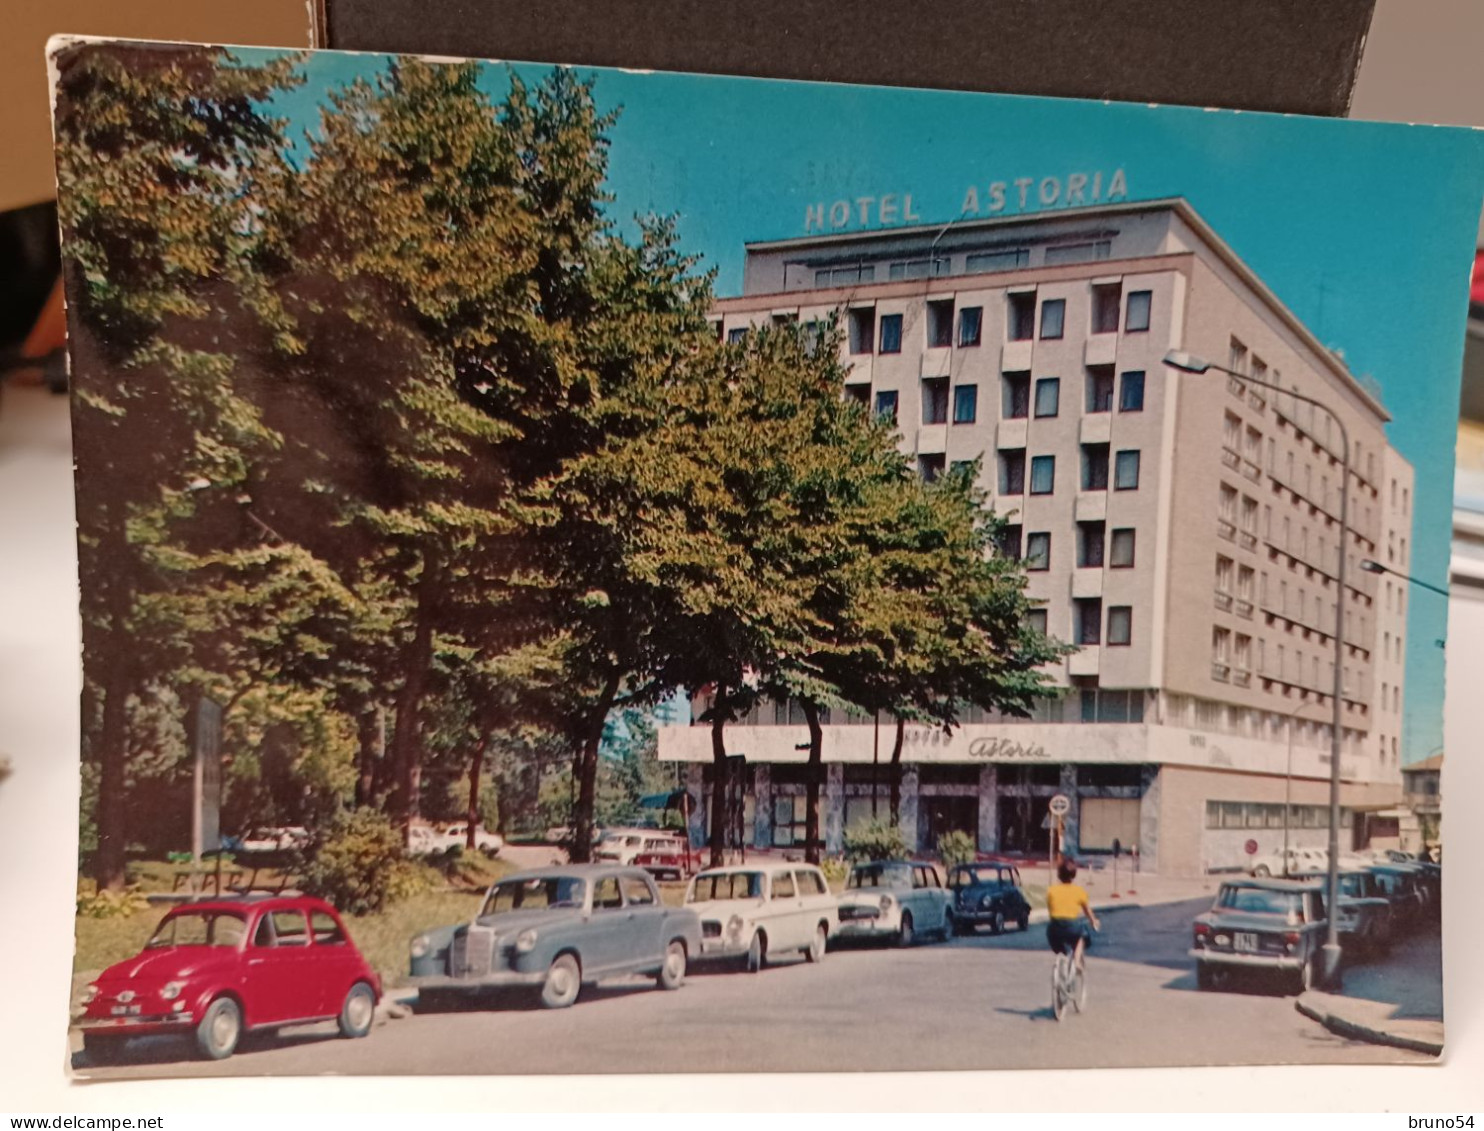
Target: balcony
[(1223, 601), (1087, 582), (1242, 677), (1251, 470), (1247, 540), (936, 361), (1221, 672), (1090, 506), (1085, 661), (1243, 609), (1101, 349), (1230, 458), (1095, 428), (932, 439), (1010, 434), (1015, 357), (1227, 530)]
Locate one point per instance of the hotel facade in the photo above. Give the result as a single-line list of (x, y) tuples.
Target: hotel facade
[(1182, 531)]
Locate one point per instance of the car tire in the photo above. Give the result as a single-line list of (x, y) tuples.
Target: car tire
[(672, 970), (220, 1029), (103, 1048), (955, 928), (814, 952), (563, 982), (1302, 979), (905, 935), (997, 923), (357, 1012), (1205, 977), (757, 953), (1025, 920)]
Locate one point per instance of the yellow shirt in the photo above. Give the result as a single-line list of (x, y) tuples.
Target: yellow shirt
[(1064, 901)]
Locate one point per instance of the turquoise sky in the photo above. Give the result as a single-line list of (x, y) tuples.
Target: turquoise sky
[(1365, 230)]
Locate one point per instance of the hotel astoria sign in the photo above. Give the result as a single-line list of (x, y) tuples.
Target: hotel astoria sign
[(995, 198)]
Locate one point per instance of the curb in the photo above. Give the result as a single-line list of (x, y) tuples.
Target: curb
[(1356, 1031)]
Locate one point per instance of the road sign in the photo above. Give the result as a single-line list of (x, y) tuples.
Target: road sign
[(1250, 848), (1060, 805)]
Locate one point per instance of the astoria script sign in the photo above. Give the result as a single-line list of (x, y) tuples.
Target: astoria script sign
[(1007, 749)]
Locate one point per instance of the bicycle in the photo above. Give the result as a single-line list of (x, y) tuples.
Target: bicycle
[(1068, 981)]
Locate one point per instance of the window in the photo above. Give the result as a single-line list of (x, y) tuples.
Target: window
[(1245, 574), (1036, 620), (607, 897), (997, 260), (1120, 624), (1100, 388), (783, 885), (1137, 318), (737, 334), (935, 400), (1053, 317), (1224, 567), (891, 333), (940, 324), (1131, 392), (1252, 445), (289, 928), (1237, 356), (637, 893), (1048, 395), (1016, 396), (1249, 515), (918, 268), (1043, 475), (1221, 645), (1231, 431), (1038, 551), (965, 404), (862, 329), (1079, 252), (1106, 299), (1244, 652), (886, 406), (859, 394), (1126, 471), (1094, 467), (970, 325), (1012, 472), (1226, 505), (1121, 552), (1008, 540), (1020, 316), (844, 276), (327, 932), (1089, 620), (930, 467), (812, 883), (1091, 539)]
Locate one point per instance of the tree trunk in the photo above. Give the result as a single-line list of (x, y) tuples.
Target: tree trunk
[(113, 757), (406, 736), (371, 743), (586, 774), (718, 778), (896, 772), (471, 818), (816, 768)]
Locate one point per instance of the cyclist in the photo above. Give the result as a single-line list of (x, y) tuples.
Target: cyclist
[(1066, 904)]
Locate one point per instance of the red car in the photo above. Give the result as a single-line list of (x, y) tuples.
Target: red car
[(218, 968)]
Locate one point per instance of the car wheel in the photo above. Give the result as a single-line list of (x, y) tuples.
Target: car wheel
[(358, 1011), (102, 1048), (955, 928), (1025, 920), (757, 953), (220, 1029), (672, 973), (814, 952), (563, 982), (905, 936), (1205, 977), (1303, 978), (997, 924)]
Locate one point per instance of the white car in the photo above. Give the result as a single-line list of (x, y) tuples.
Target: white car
[(620, 846), (458, 834), (1300, 861), (895, 900), (754, 911), (278, 838)]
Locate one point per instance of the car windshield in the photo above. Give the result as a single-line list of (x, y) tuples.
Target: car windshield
[(533, 894), (726, 885), (199, 928), (1353, 886), (1258, 901), (963, 877), (880, 876)]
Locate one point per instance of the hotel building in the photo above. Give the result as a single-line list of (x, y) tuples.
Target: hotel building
[(1183, 531)]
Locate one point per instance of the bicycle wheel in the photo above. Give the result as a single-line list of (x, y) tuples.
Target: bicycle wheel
[(1059, 987), (1079, 988)]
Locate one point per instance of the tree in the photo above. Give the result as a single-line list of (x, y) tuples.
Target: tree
[(157, 158)]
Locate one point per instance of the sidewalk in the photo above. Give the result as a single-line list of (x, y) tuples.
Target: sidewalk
[(1397, 1001), (1131, 889)]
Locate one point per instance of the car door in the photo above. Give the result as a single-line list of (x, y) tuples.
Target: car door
[(815, 901), (939, 896), (280, 983), (611, 936), (782, 914), (647, 914), (335, 962)]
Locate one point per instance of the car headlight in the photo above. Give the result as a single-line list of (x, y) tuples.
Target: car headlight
[(525, 941), (90, 994), (886, 903), (420, 946), (734, 925), (171, 990)]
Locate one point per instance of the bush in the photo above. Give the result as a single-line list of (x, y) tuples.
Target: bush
[(835, 869), (358, 865), (957, 847), (94, 904), (875, 840)]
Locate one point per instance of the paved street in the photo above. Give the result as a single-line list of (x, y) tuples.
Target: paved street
[(970, 1004)]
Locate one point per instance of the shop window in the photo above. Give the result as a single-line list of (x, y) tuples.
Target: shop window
[(1103, 776)]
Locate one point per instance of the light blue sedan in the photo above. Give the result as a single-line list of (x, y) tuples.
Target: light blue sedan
[(896, 900)]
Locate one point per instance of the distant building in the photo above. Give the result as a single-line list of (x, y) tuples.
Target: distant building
[(1182, 530)]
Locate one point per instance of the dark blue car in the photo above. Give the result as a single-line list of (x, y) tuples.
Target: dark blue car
[(987, 895)]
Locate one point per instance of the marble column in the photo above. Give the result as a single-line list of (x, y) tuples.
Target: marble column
[(989, 808), (910, 806), (695, 784), (1149, 821), (762, 805), (833, 806), (1068, 786)]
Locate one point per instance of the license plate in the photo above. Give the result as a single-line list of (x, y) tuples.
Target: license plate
[(1244, 940), (125, 1010)]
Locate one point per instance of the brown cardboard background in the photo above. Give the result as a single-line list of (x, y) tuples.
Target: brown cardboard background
[(1282, 55)]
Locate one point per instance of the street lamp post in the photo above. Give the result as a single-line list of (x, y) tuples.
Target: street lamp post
[(1188, 363), (1372, 566)]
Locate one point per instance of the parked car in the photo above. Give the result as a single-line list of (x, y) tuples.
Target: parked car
[(456, 834), (987, 895), (623, 846), (1363, 917), (895, 899), (557, 929), (274, 838), (219, 968), (754, 911), (665, 854), (1261, 924), (1300, 860), (1409, 891)]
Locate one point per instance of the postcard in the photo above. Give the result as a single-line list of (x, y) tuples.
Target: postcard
[(587, 571)]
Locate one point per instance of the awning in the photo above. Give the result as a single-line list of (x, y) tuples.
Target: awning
[(674, 800)]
